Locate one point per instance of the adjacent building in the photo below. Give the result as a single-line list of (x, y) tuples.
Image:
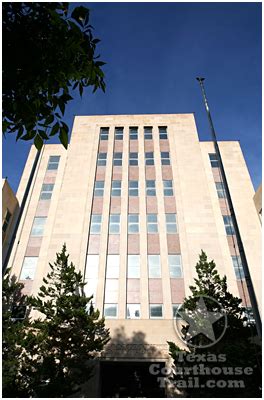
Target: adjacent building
[(135, 198), (10, 209)]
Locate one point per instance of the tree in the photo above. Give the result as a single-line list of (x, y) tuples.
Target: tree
[(237, 348), (14, 321), (46, 52), (67, 334)]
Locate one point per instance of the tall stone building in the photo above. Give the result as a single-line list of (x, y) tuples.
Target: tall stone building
[(135, 198)]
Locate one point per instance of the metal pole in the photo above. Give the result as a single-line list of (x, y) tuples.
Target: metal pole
[(242, 254)]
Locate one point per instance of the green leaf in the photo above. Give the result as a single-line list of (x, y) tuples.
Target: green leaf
[(79, 14), (20, 133), (99, 63), (54, 129), (62, 106), (80, 89), (66, 128), (5, 125), (38, 142), (49, 119), (28, 136), (43, 134), (63, 137)]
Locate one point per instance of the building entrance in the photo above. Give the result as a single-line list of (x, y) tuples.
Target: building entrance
[(129, 379)]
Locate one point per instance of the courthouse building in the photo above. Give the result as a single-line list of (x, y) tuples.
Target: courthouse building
[(135, 198)]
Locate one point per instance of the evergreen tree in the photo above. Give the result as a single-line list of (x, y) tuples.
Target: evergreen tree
[(65, 336), (238, 344), (14, 322)]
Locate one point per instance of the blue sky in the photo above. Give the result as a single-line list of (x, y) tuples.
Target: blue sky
[(153, 53)]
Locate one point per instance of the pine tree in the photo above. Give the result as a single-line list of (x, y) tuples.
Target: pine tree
[(238, 343), (65, 336), (14, 322)]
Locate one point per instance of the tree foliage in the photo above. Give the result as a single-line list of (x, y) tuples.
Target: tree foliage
[(238, 344), (67, 334), (47, 51), (14, 331), (49, 354)]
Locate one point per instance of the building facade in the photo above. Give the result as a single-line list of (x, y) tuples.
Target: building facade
[(135, 198), (10, 210)]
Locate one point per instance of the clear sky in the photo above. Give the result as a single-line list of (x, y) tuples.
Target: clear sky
[(154, 51)]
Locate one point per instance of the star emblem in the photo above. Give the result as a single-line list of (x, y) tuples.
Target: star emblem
[(200, 320)]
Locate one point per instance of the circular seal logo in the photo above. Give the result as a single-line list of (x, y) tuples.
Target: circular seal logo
[(202, 326)]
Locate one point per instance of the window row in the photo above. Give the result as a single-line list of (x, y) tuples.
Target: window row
[(133, 133), (133, 266), (6, 220), (133, 158), (133, 223), (53, 163), (133, 311), (133, 188)]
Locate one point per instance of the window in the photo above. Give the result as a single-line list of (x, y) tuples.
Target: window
[(117, 159), (101, 160), (155, 311), (154, 266), (150, 188), (90, 290), (248, 313), (165, 158), (133, 311), (133, 223), (38, 226), (148, 132), (104, 132), (91, 275), (111, 290), (92, 266), (99, 188), (228, 225), (238, 267), (133, 158), (112, 266), (163, 132), (119, 133), (6, 221), (213, 160), (18, 312), (149, 158), (110, 310), (28, 268), (133, 133), (46, 191), (175, 308), (53, 162), (171, 223), (167, 188), (133, 188), (96, 221), (116, 189), (220, 190), (133, 266), (175, 266), (152, 223), (114, 223)]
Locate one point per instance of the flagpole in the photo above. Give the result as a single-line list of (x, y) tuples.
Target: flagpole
[(242, 253)]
